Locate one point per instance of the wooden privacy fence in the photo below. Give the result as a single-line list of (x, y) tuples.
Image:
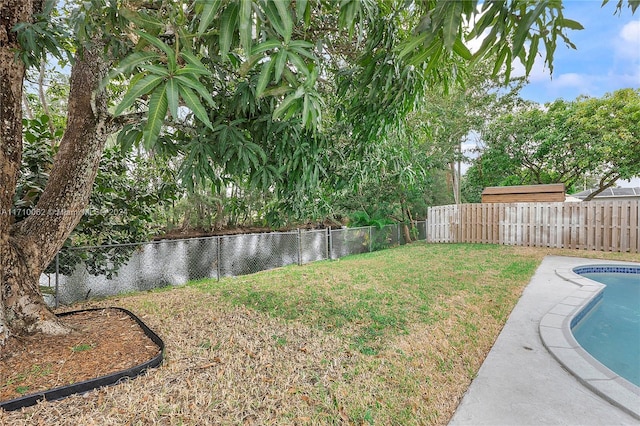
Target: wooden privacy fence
[(592, 225)]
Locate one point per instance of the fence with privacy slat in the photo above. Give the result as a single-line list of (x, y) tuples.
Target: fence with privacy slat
[(79, 273), (593, 225), (87, 272)]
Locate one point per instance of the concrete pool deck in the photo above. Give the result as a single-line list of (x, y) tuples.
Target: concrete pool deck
[(520, 382)]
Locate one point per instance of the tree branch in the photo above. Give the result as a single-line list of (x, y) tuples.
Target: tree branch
[(607, 181), (115, 124), (43, 100)]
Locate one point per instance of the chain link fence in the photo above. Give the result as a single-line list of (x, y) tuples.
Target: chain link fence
[(81, 273)]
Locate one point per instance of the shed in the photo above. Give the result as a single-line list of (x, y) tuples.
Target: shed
[(549, 193)]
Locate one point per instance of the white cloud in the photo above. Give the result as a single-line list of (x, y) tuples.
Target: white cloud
[(541, 76), (631, 31), (474, 44), (571, 79), (539, 71), (627, 44), (570, 85)]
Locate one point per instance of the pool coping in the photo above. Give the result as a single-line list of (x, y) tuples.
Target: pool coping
[(555, 333)]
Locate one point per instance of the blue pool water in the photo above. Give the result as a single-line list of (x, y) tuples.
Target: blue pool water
[(610, 331)]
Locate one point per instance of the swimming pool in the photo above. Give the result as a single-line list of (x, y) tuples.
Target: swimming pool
[(557, 326), (609, 327)]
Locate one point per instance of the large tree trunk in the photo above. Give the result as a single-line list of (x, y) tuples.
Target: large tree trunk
[(406, 233), (27, 247), (11, 78)]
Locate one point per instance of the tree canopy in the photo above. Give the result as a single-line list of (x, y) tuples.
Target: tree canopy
[(242, 89), (592, 140)]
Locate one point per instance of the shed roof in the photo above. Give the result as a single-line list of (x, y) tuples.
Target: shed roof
[(524, 189)]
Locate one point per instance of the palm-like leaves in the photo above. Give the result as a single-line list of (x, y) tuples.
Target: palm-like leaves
[(166, 85), (170, 74), (252, 56)]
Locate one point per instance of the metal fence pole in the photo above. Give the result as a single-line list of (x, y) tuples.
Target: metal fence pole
[(299, 247), (57, 277), (370, 236), (218, 257), (329, 243), (326, 245)]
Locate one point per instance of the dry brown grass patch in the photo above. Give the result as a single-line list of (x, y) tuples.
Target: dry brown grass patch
[(279, 347)]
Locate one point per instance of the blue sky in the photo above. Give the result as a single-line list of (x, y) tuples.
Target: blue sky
[(607, 57)]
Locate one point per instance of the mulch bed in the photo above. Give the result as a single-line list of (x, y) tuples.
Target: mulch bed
[(102, 342)]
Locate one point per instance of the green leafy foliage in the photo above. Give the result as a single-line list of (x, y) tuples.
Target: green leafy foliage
[(266, 51), (46, 34), (122, 210), (362, 218), (37, 160), (587, 140), (633, 4), (301, 100), (121, 207), (164, 86)]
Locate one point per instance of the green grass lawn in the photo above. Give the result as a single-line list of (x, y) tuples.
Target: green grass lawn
[(390, 337), (371, 298)]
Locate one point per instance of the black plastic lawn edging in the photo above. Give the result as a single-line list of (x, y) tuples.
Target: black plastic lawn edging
[(88, 385)]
